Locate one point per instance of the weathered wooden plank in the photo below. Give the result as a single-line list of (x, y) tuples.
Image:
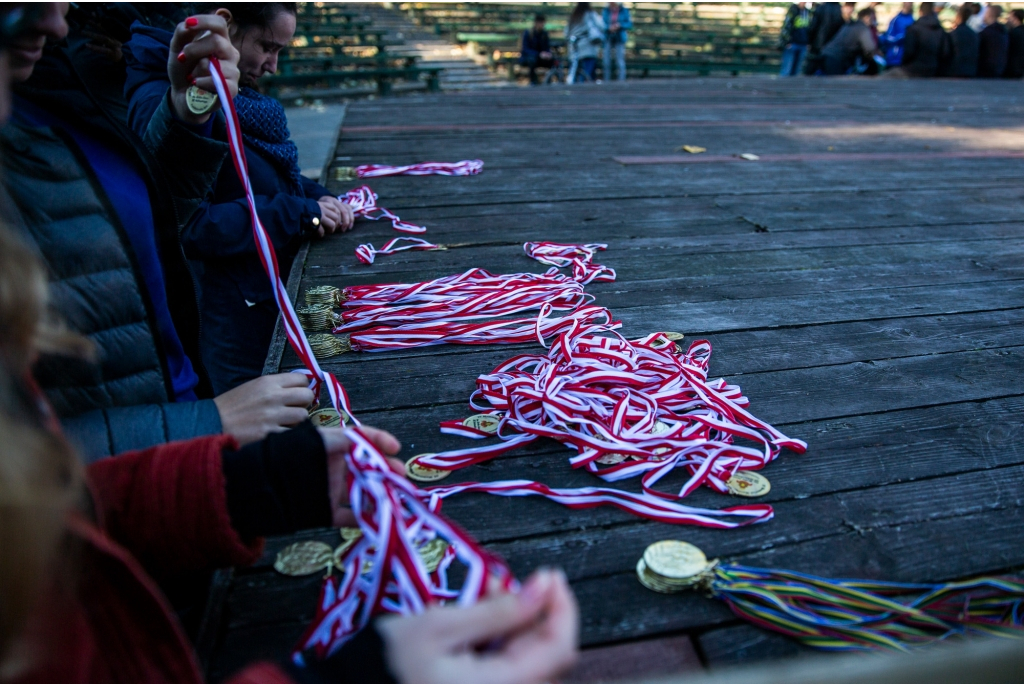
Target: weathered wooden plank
[(745, 643), (633, 661)]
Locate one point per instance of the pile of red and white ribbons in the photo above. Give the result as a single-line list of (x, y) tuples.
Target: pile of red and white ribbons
[(383, 572), (474, 294), (367, 252), (364, 205), (579, 257), (628, 408), (467, 167)]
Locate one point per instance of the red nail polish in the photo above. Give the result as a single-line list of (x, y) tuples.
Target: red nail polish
[(191, 22), (191, 79), (181, 56)]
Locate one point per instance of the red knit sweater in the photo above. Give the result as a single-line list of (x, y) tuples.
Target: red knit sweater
[(158, 512)]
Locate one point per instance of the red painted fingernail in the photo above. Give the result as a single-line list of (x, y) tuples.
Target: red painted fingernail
[(181, 56), (191, 79), (191, 22)]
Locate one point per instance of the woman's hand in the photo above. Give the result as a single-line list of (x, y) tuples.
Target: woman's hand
[(506, 638), (337, 445), (195, 41)]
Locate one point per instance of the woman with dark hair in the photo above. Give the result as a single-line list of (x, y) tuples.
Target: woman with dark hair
[(238, 308), (585, 34)]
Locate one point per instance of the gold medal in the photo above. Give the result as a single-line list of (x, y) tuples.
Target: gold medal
[(327, 418), (675, 559), (340, 550), (326, 345), (488, 423), (424, 474), (673, 336), (611, 459), (199, 101), (324, 294), (344, 173), (433, 553), (350, 533), (692, 149), (304, 558), (748, 484)]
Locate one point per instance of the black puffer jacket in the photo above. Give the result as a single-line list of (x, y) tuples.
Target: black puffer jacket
[(927, 47), (121, 403)]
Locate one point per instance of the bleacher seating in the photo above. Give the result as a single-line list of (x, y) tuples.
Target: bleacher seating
[(667, 39), (336, 52)]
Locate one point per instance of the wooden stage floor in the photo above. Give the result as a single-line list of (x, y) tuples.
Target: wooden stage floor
[(863, 282)]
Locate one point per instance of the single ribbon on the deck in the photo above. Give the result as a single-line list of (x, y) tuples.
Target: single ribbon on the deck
[(579, 257), (363, 202), (367, 253), (467, 167)]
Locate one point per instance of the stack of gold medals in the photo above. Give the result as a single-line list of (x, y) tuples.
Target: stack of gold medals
[(672, 566), (311, 556), (319, 315)]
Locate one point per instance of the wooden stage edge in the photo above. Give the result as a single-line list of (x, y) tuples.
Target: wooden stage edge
[(863, 282)]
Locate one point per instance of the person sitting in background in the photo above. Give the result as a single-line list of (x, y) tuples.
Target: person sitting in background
[(536, 48), (584, 33), (963, 40), (826, 22), (86, 549), (103, 208), (617, 19), (1015, 45), (239, 312), (794, 38), (893, 39), (854, 42), (992, 44), (927, 49)]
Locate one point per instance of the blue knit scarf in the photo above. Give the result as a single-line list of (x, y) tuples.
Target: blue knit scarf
[(265, 127)]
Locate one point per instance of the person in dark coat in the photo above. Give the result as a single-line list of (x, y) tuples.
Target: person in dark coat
[(854, 41), (926, 48), (536, 48), (992, 45), (963, 41), (239, 312), (826, 22), (1015, 46)]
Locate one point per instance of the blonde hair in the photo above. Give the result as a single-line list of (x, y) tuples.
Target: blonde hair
[(40, 475)]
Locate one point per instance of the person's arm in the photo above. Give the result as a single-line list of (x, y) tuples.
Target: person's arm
[(911, 45), (313, 190), (625, 20), (224, 229), (867, 43), (106, 432)]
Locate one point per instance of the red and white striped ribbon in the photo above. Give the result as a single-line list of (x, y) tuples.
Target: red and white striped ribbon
[(392, 513), (364, 203), (367, 252), (579, 257), (642, 402), (499, 332), (510, 295), (293, 330), (383, 571), (467, 167)]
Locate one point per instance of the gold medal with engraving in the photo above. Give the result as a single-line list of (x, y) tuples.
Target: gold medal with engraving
[(327, 418), (424, 474), (432, 553), (199, 101), (350, 533), (326, 345), (488, 423), (748, 484), (304, 558), (675, 559)]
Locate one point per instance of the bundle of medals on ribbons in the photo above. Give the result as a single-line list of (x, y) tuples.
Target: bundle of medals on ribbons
[(627, 408)]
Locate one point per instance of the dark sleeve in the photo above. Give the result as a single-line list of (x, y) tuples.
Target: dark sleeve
[(190, 162), (363, 659), (105, 432), (224, 229), (313, 190), (278, 485), (910, 46), (625, 19)]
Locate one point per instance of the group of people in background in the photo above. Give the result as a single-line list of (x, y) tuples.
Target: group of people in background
[(588, 36), (140, 447), (834, 38)]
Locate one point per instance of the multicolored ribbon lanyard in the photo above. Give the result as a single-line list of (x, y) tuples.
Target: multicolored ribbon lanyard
[(467, 167), (390, 510)]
